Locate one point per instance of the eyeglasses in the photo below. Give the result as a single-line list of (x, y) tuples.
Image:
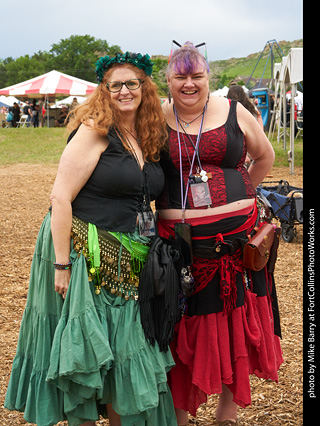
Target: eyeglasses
[(116, 86)]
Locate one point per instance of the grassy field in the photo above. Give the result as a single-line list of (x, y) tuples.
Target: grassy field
[(45, 145), (40, 145)]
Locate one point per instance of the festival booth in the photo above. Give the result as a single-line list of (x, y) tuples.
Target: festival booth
[(7, 102), (68, 101), (289, 71), (48, 86)]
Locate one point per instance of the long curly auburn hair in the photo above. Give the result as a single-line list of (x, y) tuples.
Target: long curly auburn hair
[(150, 122)]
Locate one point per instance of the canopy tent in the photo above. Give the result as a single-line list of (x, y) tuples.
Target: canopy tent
[(68, 101), (9, 100), (221, 92), (51, 84), (289, 71), (224, 91), (4, 105)]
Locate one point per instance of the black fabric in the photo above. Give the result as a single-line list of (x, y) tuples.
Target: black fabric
[(234, 147), (235, 187), (208, 300), (172, 190), (159, 292), (222, 226), (114, 193)]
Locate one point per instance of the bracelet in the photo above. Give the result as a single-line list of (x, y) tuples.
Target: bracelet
[(62, 266)]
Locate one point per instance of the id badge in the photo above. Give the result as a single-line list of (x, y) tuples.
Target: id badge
[(200, 194), (147, 224)]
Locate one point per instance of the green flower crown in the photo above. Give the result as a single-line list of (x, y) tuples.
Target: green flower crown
[(142, 62)]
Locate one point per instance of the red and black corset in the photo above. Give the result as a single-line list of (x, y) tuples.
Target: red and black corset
[(222, 153)]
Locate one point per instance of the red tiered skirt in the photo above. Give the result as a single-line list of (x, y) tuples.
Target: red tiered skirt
[(220, 348)]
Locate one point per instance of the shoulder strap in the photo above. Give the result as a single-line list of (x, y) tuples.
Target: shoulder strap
[(232, 110), (235, 139)]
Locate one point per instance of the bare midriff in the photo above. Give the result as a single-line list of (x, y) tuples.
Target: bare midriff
[(175, 214)]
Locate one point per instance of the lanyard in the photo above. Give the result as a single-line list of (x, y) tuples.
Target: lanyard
[(184, 199)]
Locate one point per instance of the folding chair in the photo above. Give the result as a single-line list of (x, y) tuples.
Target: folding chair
[(299, 124), (23, 121)]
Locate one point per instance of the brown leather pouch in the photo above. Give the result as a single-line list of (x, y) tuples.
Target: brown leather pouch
[(256, 251), (274, 250)]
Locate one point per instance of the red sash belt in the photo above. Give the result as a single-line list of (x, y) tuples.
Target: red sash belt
[(227, 266)]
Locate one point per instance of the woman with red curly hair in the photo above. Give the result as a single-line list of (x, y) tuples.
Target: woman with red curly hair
[(82, 351)]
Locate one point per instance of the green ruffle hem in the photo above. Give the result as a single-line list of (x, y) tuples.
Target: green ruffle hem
[(78, 354)]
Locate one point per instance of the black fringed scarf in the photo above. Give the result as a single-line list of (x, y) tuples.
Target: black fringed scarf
[(159, 292)]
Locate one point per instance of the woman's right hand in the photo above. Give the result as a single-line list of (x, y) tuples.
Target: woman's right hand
[(61, 281)]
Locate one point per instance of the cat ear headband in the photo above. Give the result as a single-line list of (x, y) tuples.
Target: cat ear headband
[(198, 46)]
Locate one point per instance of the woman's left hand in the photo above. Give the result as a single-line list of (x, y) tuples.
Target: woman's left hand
[(61, 281)]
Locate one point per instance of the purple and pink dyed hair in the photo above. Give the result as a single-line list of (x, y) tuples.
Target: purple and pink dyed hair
[(186, 60)]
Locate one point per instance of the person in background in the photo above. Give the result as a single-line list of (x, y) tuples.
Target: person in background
[(35, 111), (82, 350), (16, 114), (27, 110), (61, 121), (74, 103), (230, 326), (10, 117), (237, 93)]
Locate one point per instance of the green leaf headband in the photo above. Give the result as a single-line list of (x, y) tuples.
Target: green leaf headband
[(142, 62)]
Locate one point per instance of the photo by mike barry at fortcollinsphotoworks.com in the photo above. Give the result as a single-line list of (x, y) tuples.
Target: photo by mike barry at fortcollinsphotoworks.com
[(310, 317)]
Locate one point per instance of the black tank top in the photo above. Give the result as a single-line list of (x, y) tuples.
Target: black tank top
[(114, 193)]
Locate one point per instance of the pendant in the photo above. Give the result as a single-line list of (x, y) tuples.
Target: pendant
[(204, 176)]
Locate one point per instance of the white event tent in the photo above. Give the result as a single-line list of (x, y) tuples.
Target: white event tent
[(224, 91), (51, 84), (289, 71), (68, 101), (9, 100)]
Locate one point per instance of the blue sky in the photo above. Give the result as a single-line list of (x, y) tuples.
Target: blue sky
[(231, 28)]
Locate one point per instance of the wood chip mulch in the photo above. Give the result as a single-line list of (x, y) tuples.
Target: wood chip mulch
[(24, 200)]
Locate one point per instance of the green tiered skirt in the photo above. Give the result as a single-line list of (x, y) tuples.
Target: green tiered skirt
[(76, 355)]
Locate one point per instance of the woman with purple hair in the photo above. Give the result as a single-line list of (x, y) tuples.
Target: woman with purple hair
[(230, 326)]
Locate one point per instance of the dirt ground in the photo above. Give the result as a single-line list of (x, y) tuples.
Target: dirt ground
[(24, 200)]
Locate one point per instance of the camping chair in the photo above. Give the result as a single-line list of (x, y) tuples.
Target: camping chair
[(23, 121)]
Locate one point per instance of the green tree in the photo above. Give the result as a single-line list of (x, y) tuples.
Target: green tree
[(77, 55), (4, 75), (159, 74), (26, 67)]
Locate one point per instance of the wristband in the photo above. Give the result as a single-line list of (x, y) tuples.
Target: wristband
[(62, 266)]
